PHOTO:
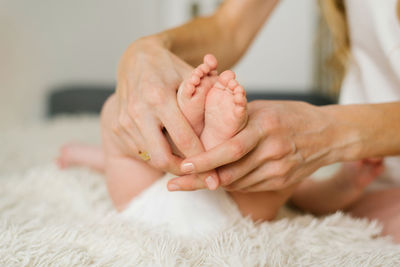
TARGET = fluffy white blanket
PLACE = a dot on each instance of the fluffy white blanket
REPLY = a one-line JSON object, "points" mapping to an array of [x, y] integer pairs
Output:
{"points": [[50, 217]]}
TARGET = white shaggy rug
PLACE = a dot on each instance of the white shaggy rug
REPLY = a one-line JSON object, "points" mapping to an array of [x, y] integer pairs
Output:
{"points": [[50, 217]]}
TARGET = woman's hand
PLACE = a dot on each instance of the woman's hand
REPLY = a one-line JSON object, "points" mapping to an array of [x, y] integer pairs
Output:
{"points": [[148, 78], [283, 143]]}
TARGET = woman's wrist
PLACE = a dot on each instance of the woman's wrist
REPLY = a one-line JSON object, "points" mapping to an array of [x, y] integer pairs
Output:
{"points": [[347, 134]]}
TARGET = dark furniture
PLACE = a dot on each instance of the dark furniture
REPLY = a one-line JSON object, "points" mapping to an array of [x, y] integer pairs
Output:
{"points": [[77, 99]]}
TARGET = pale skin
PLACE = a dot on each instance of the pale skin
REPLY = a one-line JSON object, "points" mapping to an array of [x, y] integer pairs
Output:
{"points": [[215, 107], [284, 141]]}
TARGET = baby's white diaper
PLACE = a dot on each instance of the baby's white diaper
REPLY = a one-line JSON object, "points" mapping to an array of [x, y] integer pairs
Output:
{"points": [[190, 214]]}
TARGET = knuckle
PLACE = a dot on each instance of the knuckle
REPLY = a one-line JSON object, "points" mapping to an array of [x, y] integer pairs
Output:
{"points": [[185, 141], [155, 95], [282, 183], [133, 110], [228, 188], [237, 149], [116, 129], [270, 122], [279, 148], [226, 177], [278, 184], [124, 121], [114, 126], [280, 170], [160, 162]]}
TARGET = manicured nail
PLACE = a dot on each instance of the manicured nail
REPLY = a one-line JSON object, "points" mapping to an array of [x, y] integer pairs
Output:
{"points": [[173, 187], [187, 167], [211, 184]]}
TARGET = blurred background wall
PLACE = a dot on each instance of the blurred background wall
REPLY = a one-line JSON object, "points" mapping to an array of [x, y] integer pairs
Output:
{"points": [[45, 44]]}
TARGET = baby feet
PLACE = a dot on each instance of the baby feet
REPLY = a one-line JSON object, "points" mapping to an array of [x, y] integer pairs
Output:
{"points": [[225, 110], [81, 155], [215, 106], [193, 92]]}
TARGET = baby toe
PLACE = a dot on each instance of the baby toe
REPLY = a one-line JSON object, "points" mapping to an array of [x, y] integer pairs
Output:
{"points": [[239, 90], [211, 61], [232, 84], [226, 77], [205, 68], [195, 80], [198, 72], [239, 96], [240, 100]]}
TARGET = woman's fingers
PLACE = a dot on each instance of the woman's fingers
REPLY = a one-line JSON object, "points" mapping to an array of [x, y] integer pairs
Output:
{"points": [[273, 184], [157, 146], [192, 182], [267, 171], [225, 153], [180, 131], [148, 76], [188, 143], [143, 125], [186, 183], [132, 137], [121, 128], [156, 143], [267, 153], [232, 172]]}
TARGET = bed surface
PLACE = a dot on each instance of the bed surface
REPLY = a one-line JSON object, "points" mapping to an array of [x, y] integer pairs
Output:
{"points": [[50, 217]]}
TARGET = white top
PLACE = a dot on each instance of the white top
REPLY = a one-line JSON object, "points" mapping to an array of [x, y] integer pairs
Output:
{"points": [[374, 73]]}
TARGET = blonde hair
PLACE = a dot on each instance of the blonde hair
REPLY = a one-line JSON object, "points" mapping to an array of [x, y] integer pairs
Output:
{"points": [[334, 13], [398, 9]]}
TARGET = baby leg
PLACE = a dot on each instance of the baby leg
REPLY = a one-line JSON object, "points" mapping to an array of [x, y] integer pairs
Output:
{"points": [[262, 206], [126, 178], [338, 192]]}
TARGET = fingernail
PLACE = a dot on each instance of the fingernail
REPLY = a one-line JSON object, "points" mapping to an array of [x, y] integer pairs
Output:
{"points": [[187, 167], [211, 184], [173, 187]]}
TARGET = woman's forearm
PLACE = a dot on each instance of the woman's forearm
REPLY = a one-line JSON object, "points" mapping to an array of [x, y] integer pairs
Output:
{"points": [[365, 130], [227, 33]]}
